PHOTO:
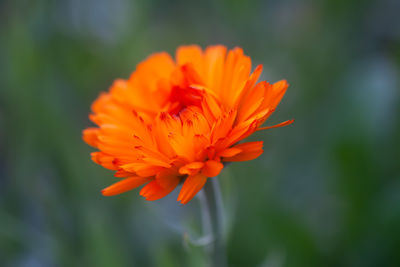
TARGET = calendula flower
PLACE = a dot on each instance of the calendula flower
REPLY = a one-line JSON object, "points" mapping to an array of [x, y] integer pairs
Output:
{"points": [[178, 120]]}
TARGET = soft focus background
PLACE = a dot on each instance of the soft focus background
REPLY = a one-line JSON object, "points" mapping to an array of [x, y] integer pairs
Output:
{"points": [[325, 193]]}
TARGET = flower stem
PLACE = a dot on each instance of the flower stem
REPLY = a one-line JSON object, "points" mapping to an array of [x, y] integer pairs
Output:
{"points": [[215, 212]]}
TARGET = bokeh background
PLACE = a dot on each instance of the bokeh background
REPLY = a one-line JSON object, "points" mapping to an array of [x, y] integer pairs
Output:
{"points": [[325, 193]]}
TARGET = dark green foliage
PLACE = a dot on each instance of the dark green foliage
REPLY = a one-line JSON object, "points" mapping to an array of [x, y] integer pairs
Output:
{"points": [[325, 193]]}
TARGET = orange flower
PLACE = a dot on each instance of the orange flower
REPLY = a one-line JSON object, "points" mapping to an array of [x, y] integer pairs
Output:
{"points": [[179, 120]]}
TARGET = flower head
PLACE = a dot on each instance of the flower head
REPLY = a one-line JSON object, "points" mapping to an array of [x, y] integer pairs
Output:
{"points": [[179, 120]]}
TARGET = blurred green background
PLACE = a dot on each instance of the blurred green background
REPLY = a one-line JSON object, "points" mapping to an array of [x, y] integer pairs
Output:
{"points": [[326, 192]]}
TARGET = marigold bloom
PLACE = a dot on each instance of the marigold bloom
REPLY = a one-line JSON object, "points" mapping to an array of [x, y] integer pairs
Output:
{"points": [[179, 120]]}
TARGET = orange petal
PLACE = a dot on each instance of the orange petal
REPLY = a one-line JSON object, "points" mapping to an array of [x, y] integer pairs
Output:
{"points": [[153, 190], [240, 132], [214, 62], [250, 150], [148, 170], [90, 136], [279, 88], [274, 93], [251, 102], [191, 168], [191, 75], [168, 178], [251, 81], [156, 162], [237, 69], [124, 185], [121, 173], [223, 125], [229, 152], [191, 186], [107, 161], [142, 169], [200, 142], [182, 145], [191, 54], [212, 168], [211, 108], [277, 125]]}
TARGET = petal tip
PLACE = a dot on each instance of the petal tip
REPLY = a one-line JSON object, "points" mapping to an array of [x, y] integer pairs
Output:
{"points": [[105, 192]]}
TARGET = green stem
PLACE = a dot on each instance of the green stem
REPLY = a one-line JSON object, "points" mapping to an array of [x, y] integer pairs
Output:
{"points": [[214, 204]]}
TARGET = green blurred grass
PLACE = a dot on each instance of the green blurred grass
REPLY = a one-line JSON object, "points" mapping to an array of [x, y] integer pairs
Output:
{"points": [[325, 193]]}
